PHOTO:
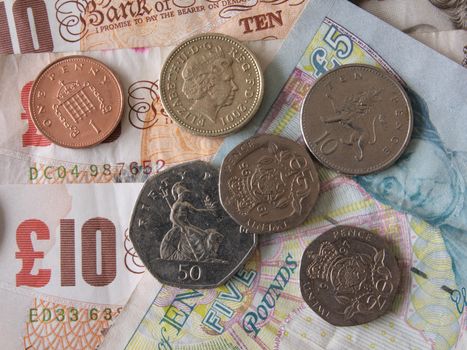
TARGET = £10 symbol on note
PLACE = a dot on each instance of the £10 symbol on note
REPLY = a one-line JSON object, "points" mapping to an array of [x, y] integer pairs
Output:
{"points": [[36, 12], [90, 231]]}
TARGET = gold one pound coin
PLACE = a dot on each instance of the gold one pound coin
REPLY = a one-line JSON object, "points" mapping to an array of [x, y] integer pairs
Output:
{"points": [[211, 85]]}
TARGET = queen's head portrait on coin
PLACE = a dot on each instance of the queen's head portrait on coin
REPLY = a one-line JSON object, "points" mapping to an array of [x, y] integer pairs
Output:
{"points": [[211, 85], [208, 81]]}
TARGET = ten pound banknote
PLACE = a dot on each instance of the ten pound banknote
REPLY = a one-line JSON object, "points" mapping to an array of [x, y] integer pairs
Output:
{"points": [[68, 266], [146, 142], [48, 318], [57, 292], [81, 25], [261, 307]]}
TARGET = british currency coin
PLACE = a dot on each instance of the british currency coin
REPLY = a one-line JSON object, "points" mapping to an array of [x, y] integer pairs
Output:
{"points": [[268, 184], [76, 102], [181, 232], [211, 85], [348, 276], [357, 119]]}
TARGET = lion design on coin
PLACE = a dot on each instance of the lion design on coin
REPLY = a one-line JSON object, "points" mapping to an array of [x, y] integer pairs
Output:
{"points": [[208, 80], [354, 114]]}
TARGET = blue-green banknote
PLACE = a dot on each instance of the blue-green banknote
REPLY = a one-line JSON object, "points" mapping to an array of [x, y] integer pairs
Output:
{"points": [[417, 205], [429, 181]]}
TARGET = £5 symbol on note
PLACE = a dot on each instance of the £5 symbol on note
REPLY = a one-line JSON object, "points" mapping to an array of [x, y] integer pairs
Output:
{"points": [[428, 181]]}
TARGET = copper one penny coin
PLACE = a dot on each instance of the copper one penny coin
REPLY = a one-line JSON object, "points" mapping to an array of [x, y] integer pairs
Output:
{"points": [[348, 276], [76, 102], [357, 119], [211, 85], [268, 184]]}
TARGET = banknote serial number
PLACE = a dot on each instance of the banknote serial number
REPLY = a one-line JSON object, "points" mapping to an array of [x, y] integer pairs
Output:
{"points": [[75, 171], [71, 314]]}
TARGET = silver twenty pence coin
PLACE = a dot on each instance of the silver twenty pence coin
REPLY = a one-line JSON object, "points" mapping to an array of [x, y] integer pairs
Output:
{"points": [[181, 232]]}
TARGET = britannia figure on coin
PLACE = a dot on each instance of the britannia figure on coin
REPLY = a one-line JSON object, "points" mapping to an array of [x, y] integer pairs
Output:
{"points": [[186, 241], [208, 80]]}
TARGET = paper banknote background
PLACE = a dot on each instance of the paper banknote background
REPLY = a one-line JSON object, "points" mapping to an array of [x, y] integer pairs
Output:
{"points": [[436, 152], [156, 142], [28, 154], [269, 312], [81, 25], [23, 150], [67, 263], [27, 157], [262, 308]]}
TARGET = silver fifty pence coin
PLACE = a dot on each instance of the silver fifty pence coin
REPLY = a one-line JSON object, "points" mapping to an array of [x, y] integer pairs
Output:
{"points": [[181, 232]]}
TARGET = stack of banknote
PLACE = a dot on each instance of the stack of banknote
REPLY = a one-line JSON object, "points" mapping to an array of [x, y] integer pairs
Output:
{"points": [[63, 286]]}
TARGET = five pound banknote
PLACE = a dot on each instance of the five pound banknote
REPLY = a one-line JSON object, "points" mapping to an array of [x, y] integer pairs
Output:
{"points": [[262, 307]]}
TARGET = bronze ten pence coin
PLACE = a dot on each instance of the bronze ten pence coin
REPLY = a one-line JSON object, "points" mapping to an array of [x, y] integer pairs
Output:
{"points": [[268, 184], [181, 232], [211, 85], [348, 276], [76, 102], [357, 119]]}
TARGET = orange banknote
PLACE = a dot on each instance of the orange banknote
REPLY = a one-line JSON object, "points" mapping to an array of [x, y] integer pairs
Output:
{"points": [[68, 266], [81, 25], [146, 142]]}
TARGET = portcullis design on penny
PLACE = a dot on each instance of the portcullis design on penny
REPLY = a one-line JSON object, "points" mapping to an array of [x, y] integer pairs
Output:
{"points": [[181, 232], [357, 119], [348, 276], [211, 85], [76, 102], [268, 184]]}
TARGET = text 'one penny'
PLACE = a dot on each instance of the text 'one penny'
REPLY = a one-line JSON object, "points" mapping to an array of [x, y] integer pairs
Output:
{"points": [[76, 102]]}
